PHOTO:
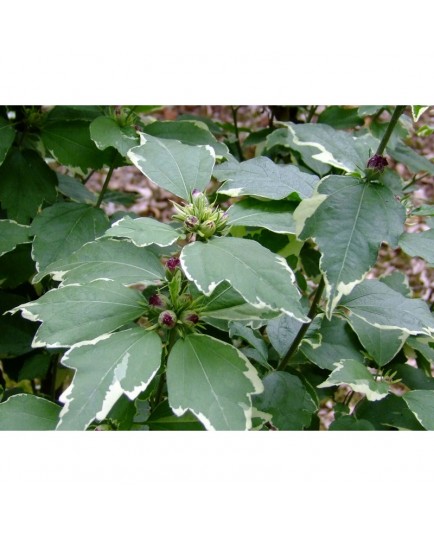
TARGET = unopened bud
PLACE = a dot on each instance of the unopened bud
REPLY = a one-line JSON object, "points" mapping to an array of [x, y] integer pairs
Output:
{"points": [[207, 229], [189, 318], [377, 162], [173, 263], [158, 301], [167, 319], [191, 223]]}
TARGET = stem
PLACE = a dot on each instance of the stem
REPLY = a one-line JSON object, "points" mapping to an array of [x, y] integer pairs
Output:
{"points": [[162, 380], [105, 185], [299, 337], [237, 133], [311, 114], [396, 115], [89, 176]]}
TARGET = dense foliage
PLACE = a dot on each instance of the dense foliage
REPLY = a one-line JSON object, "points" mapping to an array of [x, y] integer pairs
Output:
{"points": [[254, 308]]}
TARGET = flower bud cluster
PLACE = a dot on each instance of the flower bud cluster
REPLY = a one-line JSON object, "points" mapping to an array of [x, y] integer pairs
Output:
{"points": [[183, 313], [200, 217]]}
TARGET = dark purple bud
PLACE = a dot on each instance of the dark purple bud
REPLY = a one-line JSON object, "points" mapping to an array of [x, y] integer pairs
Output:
{"points": [[377, 162], [189, 318], [167, 319], [173, 263], [191, 222], [158, 301]]}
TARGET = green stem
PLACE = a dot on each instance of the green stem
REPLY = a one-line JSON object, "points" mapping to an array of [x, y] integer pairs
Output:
{"points": [[162, 380], [311, 113], [89, 176], [237, 133], [299, 337], [105, 185], [399, 110]]}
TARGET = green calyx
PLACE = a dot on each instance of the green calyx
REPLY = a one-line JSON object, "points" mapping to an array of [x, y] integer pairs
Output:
{"points": [[200, 217]]}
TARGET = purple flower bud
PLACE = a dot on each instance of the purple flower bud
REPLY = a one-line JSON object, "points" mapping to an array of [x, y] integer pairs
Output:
{"points": [[167, 319], [158, 301], [191, 223], [189, 318], [377, 162], [173, 263], [195, 193]]}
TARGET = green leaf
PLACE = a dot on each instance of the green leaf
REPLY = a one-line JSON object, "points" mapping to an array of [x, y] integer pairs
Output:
{"points": [[26, 182], [273, 215], [7, 136], [144, 231], [12, 234], [381, 344], [334, 147], [413, 378], [337, 342], [348, 423], [75, 113], [163, 419], [369, 110], [70, 144], [236, 329], [261, 177], [383, 307], [398, 282], [62, 229], [75, 190], [226, 303], [340, 117], [16, 333], [358, 377], [423, 210], [283, 137], [120, 363], [28, 413], [391, 412], [419, 245], [76, 313], [172, 165], [107, 259], [421, 404], [16, 266], [105, 132], [262, 278], [287, 400], [413, 160], [348, 219], [188, 132], [214, 381], [417, 111], [35, 366]]}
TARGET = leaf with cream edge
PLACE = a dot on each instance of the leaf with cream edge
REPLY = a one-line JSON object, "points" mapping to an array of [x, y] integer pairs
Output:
{"points": [[261, 177], [28, 413], [144, 231], [336, 148], [417, 111], [108, 259], [214, 381], [287, 400], [63, 228], [421, 404], [225, 303], [124, 362], [77, 313], [12, 234], [382, 307], [381, 344], [172, 165], [263, 278], [358, 377], [275, 216], [348, 219]]}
